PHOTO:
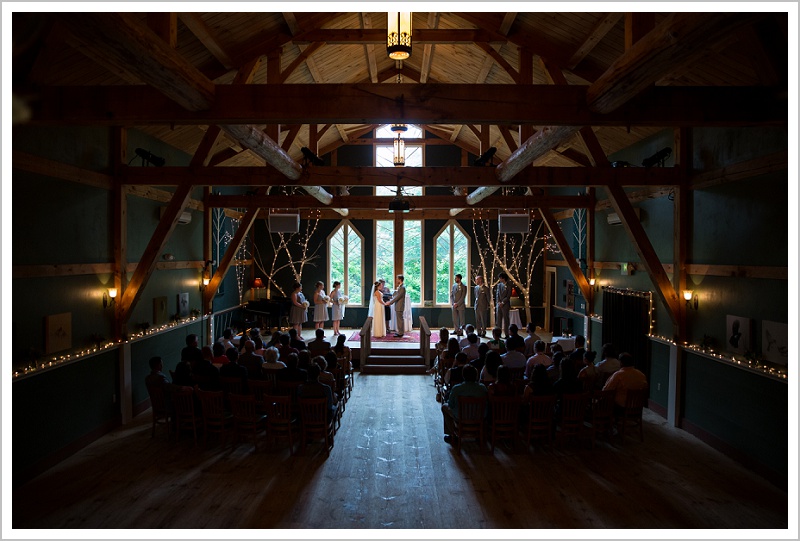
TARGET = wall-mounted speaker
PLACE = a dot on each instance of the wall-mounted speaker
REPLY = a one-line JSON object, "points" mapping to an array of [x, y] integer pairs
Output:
{"points": [[284, 223], [514, 223]]}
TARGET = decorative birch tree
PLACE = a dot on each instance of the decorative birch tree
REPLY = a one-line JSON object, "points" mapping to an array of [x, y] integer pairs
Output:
{"points": [[297, 250]]}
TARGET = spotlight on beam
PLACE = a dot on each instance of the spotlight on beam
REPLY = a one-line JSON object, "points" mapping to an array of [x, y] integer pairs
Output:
{"points": [[148, 157], [310, 157], [657, 158], [485, 158]]}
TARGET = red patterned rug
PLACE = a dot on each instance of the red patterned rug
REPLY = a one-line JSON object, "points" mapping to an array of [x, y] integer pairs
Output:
{"points": [[411, 337]]}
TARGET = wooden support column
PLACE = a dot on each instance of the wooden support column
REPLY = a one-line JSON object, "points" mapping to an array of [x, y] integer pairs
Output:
{"points": [[647, 254], [636, 26], [566, 251], [525, 78], [208, 223], [273, 131], [590, 230], [484, 137], [313, 137], [399, 240], [681, 225]]}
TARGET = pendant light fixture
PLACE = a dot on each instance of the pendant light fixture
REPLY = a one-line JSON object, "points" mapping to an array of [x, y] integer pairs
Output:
{"points": [[398, 39]]}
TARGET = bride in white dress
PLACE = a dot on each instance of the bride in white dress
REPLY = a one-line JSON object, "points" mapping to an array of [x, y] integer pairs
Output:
{"points": [[376, 303]]}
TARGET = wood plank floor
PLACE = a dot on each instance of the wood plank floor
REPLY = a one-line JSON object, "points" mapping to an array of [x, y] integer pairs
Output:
{"points": [[390, 469]]}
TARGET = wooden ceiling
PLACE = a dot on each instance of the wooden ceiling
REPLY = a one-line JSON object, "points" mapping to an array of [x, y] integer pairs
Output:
{"points": [[503, 57]]}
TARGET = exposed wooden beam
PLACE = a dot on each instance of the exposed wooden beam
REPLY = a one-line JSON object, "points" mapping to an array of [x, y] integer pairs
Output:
{"points": [[257, 141], [603, 27], [165, 25], [647, 254], [377, 36], [543, 141], [731, 271], [405, 176], [674, 43], [420, 104], [369, 49], [763, 165], [208, 38], [121, 41], [50, 168], [427, 50], [305, 53], [566, 251], [336, 144], [498, 58], [366, 202], [157, 242], [163, 196]]}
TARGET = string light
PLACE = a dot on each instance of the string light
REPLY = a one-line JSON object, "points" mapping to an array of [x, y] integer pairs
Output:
{"points": [[59, 360]]}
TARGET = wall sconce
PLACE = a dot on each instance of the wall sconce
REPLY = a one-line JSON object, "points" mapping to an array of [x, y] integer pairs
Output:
{"points": [[689, 296], [110, 294], [206, 275], [593, 283]]}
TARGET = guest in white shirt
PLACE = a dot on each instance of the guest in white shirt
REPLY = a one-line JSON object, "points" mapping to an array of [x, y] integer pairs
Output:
{"points": [[530, 340], [471, 349], [608, 365], [464, 342], [227, 339], [515, 356], [538, 357]]}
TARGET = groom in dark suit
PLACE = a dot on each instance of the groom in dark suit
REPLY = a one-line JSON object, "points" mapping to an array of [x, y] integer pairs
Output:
{"points": [[399, 301]]}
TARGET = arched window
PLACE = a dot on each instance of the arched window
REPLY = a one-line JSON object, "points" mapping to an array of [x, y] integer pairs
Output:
{"points": [[412, 255], [452, 257], [346, 261]]}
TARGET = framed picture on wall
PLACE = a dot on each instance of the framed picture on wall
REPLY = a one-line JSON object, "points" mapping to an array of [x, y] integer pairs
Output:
{"points": [[775, 342], [570, 294], [57, 332], [738, 334], [183, 305]]}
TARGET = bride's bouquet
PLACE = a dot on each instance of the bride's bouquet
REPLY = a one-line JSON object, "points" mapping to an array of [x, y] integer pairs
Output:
{"points": [[343, 299], [306, 304], [325, 298]]}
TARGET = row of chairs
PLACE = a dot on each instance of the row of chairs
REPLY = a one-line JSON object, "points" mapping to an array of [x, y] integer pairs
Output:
{"points": [[578, 416], [248, 409]]}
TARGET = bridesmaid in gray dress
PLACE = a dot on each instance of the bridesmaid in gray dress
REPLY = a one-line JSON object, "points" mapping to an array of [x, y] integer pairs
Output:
{"points": [[299, 312], [320, 306], [337, 312]]}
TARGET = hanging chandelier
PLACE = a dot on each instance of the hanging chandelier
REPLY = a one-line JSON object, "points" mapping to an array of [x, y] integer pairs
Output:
{"points": [[398, 39]]}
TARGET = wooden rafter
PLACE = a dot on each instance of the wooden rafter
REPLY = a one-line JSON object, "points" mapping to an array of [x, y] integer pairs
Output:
{"points": [[647, 254], [427, 50], [208, 38], [597, 33], [369, 50]]}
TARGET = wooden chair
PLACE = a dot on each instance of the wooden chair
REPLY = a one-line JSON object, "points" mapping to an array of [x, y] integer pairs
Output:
{"points": [[232, 386], [315, 423], [246, 419], [270, 376], [279, 418], [573, 416], [602, 415], [215, 418], [185, 416], [259, 388], [517, 373], [159, 406], [540, 418], [471, 419], [289, 388], [635, 401], [504, 418]]}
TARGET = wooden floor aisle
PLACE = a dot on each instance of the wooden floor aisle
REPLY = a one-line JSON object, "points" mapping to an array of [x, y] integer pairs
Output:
{"points": [[390, 469]]}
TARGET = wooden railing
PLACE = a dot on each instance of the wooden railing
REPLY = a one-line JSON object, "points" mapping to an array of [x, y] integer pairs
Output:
{"points": [[366, 343], [425, 340]]}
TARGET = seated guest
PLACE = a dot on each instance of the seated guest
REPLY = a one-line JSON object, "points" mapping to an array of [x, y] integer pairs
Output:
{"points": [[502, 386], [470, 387], [489, 372], [275, 340], [233, 369], [515, 356], [192, 351], [296, 340], [568, 382], [291, 372], [554, 370], [285, 348], [627, 378], [608, 363], [478, 363], [496, 343], [464, 342], [255, 336], [454, 375], [537, 358], [251, 361], [226, 340], [219, 353], [577, 355], [272, 360], [441, 345], [319, 346], [513, 332], [157, 378], [343, 355], [325, 376], [183, 374], [304, 359], [448, 358], [538, 384], [530, 340], [588, 374], [471, 349], [205, 374], [314, 388]]}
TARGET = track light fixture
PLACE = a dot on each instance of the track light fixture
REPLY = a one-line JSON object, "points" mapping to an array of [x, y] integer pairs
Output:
{"points": [[485, 158], [657, 158], [310, 157], [150, 158]]}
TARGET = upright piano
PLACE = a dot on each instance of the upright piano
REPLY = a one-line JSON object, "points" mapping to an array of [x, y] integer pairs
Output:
{"points": [[273, 312]]}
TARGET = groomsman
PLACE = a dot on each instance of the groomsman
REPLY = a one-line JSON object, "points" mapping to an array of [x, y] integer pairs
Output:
{"points": [[481, 296], [458, 296], [399, 301], [503, 303]]}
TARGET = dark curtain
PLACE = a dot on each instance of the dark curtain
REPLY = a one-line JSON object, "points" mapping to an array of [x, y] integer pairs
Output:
{"points": [[626, 324]]}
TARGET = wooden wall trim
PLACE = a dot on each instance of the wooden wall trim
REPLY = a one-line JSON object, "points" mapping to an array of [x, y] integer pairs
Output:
{"points": [[737, 271]]}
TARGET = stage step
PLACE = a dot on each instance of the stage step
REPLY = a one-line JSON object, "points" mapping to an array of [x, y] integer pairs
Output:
{"points": [[394, 364]]}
